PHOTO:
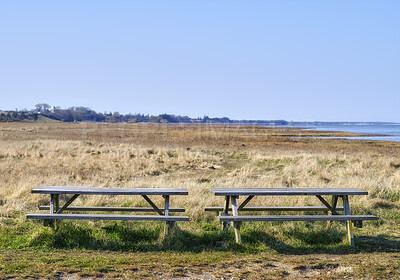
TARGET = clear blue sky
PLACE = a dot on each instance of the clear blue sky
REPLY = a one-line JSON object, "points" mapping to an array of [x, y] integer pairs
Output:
{"points": [[335, 60]]}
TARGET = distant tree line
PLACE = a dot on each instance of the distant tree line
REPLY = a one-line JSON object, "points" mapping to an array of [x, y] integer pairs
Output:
{"points": [[14, 116], [84, 114]]}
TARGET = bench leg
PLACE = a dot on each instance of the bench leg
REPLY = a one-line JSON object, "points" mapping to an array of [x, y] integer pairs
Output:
{"points": [[225, 212], [54, 205], [236, 225], [57, 207], [334, 204], [349, 224], [167, 225]]}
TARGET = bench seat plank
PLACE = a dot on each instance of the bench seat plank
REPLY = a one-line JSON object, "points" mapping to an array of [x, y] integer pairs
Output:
{"points": [[109, 191], [298, 218], [115, 209], [286, 191], [106, 217], [274, 208]]}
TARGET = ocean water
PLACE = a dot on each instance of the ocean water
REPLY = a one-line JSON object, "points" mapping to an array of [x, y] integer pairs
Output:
{"points": [[391, 131]]}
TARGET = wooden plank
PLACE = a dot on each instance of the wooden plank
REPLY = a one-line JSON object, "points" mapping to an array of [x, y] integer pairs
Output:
{"points": [[287, 191], [106, 217], [274, 208], [299, 218], [109, 191], [115, 209]]}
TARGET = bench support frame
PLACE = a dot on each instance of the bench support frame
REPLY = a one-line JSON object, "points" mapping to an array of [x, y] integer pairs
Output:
{"points": [[55, 210], [332, 208]]}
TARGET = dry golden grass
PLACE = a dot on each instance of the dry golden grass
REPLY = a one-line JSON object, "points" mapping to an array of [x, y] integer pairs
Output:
{"points": [[197, 158], [192, 157]]}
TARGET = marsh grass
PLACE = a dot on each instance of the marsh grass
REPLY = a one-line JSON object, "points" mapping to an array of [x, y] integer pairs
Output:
{"points": [[151, 156], [197, 158]]}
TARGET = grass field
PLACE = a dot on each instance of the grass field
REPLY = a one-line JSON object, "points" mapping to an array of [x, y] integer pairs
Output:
{"points": [[197, 158]]}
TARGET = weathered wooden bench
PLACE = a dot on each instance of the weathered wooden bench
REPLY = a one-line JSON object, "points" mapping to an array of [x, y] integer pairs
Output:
{"points": [[56, 212], [232, 194]]}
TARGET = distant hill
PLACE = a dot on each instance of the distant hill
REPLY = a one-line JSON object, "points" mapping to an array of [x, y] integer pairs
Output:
{"points": [[46, 113], [44, 119]]}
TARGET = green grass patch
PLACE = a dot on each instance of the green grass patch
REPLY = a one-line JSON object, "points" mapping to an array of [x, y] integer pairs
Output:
{"points": [[141, 236], [277, 162], [108, 249], [328, 162]]}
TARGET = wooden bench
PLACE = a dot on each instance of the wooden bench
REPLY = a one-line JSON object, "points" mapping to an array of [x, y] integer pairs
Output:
{"points": [[56, 212], [232, 195]]}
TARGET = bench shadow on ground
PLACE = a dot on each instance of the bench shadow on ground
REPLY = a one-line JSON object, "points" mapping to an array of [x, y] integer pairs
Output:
{"points": [[117, 237], [326, 242]]}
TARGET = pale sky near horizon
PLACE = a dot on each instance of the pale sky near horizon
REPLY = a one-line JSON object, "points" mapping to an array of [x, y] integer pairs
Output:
{"points": [[293, 60]]}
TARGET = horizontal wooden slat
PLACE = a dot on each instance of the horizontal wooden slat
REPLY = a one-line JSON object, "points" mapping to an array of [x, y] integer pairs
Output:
{"points": [[109, 191], [115, 209], [106, 217], [287, 191], [298, 218], [275, 208]]}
